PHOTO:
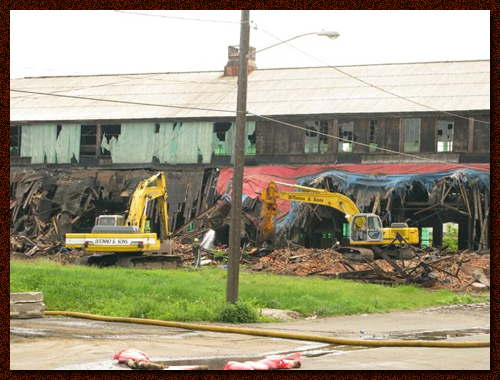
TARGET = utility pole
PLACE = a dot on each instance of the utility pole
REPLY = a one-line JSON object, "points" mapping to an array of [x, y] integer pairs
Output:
{"points": [[233, 263]]}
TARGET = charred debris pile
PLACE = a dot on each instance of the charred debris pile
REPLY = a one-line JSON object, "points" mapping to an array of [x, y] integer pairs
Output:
{"points": [[46, 204], [430, 268]]}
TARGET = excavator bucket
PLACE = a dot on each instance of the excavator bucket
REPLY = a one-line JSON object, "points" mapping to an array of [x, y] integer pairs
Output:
{"points": [[167, 247]]}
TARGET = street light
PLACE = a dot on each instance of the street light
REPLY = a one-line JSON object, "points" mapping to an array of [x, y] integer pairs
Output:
{"points": [[330, 34], [233, 261]]}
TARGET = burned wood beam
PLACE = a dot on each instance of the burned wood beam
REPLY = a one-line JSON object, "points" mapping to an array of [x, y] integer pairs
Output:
{"points": [[456, 209], [426, 209], [465, 198], [390, 261]]}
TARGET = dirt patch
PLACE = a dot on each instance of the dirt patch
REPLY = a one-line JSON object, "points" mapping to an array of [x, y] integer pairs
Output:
{"points": [[281, 315]]}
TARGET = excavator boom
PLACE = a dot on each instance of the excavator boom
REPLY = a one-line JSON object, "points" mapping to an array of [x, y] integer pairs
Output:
{"points": [[154, 187], [309, 195]]}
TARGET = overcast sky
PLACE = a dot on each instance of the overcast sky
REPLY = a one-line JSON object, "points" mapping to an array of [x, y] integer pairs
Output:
{"points": [[46, 43]]}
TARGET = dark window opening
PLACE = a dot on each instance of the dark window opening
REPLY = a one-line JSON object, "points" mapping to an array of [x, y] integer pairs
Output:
{"points": [[88, 140], [445, 136], [252, 149], [323, 138], [108, 132], [59, 128], [15, 141], [157, 128], [373, 130], [220, 130], [316, 137], [346, 136], [412, 135]]}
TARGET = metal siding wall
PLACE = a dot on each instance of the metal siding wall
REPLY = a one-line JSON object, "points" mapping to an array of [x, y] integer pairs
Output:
{"points": [[68, 143], [37, 142], [202, 133], [41, 143], [138, 143], [230, 134], [180, 145], [134, 145]]}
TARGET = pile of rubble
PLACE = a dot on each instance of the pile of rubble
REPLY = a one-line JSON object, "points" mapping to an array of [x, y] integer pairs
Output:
{"points": [[458, 271]]}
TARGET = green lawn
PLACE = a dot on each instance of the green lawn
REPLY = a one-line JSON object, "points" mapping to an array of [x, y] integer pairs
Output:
{"points": [[199, 295]]}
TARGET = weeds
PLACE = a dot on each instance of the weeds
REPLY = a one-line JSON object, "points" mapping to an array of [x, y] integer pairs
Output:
{"points": [[195, 296]]}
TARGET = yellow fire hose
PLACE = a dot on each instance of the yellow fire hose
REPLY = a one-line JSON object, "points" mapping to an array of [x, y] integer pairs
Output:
{"points": [[278, 334]]}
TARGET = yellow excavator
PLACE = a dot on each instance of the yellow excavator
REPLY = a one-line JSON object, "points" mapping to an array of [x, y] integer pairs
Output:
{"points": [[366, 231], [116, 240]]}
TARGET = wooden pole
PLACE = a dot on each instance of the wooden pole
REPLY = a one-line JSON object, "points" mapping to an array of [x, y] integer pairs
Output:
{"points": [[239, 163]]}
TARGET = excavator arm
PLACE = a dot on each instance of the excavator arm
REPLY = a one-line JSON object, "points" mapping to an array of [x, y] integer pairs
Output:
{"points": [[366, 229], [308, 195], [154, 187]]}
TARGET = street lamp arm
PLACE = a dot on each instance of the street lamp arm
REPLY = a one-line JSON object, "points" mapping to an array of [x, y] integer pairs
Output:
{"points": [[331, 35]]}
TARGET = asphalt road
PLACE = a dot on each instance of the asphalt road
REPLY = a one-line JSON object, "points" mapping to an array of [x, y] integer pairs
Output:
{"points": [[69, 343]]}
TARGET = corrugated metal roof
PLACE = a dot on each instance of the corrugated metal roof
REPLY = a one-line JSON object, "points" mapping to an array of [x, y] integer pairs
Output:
{"points": [[447, 86]]}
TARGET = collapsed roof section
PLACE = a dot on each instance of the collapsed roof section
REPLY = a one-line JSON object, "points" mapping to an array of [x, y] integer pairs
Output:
{"points": [[422, 195]]}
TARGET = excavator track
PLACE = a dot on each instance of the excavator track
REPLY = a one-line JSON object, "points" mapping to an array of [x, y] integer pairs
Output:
{"points": [[151, 262], [131, 261], [357, 254], [397, 253]]}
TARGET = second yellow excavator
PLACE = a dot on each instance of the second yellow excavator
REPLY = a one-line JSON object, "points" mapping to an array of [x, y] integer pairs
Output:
{"points": [[366, 229]]}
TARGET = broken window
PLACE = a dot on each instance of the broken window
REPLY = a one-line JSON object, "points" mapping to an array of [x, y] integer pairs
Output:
{"points": [[88, 140], [316, 137], [220, 134], [412, 135], [15, 141], [373, 131], [346, 134], [107, 133], [445, 136], [251, 146]]}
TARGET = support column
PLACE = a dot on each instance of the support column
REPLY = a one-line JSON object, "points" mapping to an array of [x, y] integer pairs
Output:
{"points": [[470, 148]]}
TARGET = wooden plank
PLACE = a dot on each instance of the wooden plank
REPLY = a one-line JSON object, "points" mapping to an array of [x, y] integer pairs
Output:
{"points": [[392, 263], [478, 198], [456, 209], [376, 204], [447, 192], [482, 242], [475, 200], [56, 229], [465, 198]]}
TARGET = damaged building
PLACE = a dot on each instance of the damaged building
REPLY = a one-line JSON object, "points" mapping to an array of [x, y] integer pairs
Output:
{"points": [[409, 141]]}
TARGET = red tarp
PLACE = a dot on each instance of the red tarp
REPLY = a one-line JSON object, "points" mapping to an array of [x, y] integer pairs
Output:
{"points": [[256, 178]]}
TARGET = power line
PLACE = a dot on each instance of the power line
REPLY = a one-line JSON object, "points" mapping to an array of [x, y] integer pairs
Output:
{"points": [[367, 145], [370, 84], [179, 18]]}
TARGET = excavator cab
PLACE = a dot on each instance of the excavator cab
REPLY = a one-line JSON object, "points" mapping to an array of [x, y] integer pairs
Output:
{"points": [[366, 228]]}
